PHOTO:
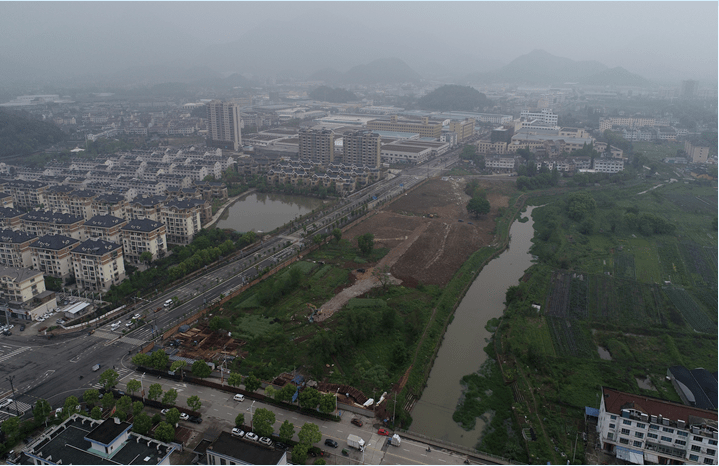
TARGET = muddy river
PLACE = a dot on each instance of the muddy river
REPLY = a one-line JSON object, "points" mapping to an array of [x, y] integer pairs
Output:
{"points": [[462, 352]]}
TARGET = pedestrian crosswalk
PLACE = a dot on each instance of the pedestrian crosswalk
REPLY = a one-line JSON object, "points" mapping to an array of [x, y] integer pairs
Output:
{"points": [[122, 372], [11, 410], [12, 354]]}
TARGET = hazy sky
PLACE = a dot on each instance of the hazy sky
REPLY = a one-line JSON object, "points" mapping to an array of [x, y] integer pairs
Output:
{"points": [[673, 40]]}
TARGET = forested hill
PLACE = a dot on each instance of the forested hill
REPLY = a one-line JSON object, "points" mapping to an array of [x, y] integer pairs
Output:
{"points": [[331, 94], [453, 97], [21, 133]]}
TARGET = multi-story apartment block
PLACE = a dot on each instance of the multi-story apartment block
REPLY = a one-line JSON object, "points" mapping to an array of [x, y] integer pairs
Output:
{"points": [[105, 227], [109, 204], [15, 248], [212, 189], [51, 255], [464, 128], [25, 292], [6, 200], [26, 194], [426, 128], [317, 145], [182, 220], [362, 148], [98, 264], [145, 207], [11, 218], [54, 223], [606, 165], [224, 123], [500, 163], [546, 116], [697, 154], [639, 429], [489, 147], [81, 203], [143, 235], [57, 198], [607, 123]]}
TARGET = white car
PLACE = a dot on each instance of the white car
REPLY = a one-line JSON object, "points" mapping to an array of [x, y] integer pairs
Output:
{"points": [[136, 316], [237, 432], [164, 411], [184, 416], [10, 326], [252, 436], [129, 324], [239, 397], [265, 441]]}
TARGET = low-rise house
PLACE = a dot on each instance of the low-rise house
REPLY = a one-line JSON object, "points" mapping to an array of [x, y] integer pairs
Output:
{"points": [[98, 264]]}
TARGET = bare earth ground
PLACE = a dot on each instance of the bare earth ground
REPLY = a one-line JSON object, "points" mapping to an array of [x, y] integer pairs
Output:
{"points": [[422, 249]]}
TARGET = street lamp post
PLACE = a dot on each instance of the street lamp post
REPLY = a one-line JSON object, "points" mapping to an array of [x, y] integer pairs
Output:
{"points": [[11, 378], [336, 405], [142, 388], [251, 415]]}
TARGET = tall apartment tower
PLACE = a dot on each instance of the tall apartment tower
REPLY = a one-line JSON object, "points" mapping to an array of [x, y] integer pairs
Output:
{"points": [[362, 148], [223, 123], [317, 145]]}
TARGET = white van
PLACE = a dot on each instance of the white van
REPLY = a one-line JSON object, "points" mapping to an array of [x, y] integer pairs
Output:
{"points": [[6, 402], [168, 302]]}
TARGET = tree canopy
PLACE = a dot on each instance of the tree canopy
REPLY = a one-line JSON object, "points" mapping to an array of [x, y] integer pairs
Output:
{"points": [[453, 97], [262, 422], [21, 133]]}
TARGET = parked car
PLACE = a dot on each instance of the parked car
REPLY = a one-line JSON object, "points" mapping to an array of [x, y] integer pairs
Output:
{"points": [[331, 443], [266, 441], [22, 327], [136, 316], [164, 411], [252, 436], [357, 422], [281, 446], [184, 417], [237, 432], [195, 419], [239, 397], [383, 431]]}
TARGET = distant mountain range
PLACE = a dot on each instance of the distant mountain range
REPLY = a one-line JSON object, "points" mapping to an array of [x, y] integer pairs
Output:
{"points": [[540, 67], [382, 71]]}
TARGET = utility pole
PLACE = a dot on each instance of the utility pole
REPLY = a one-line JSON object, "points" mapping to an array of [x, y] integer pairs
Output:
{"points": [[394, 408], [575, 446], [11, 378]]}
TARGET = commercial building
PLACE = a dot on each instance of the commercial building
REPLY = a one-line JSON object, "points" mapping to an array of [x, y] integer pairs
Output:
{"points": [[425, 127], [98, 265], [397, 153], [143, 235], [362, 148], [223, 124], [639, 429], [317, 145], [81, 440], [463, 128], [546, 116]]}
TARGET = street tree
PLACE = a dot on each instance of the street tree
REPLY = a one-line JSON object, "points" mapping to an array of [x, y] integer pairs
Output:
{"points": [[142, 424], [309, 398], [287, 431], [299, 453], [160, 360], [179, 365], [194, 403], [170, 397], [108, 400], [328, 402], [146, 257], [165, 432], [137, 408], [173, 416], [262, 422], [133, 386], [96, 413], [271, 392], [240, 420], [124, 404], [41, 410], [234, 380], [109, 379], [286, 392], [200, 369], [11, 426], [155, 391], [142, 360], [252, 383], [91, 397], [309, 433]]}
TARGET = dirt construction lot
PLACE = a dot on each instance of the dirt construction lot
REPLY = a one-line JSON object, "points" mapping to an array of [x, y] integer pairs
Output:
{"points": [[428, 249]]}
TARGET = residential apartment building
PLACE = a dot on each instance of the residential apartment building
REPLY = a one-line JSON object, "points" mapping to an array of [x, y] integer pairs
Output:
{"points": [[639, 429], [24, 290], [41, 223], [145, 207], [505, 164], [426, 128], [362, 148], [224, 123], [98, 264], [317, 145], [607, 165], [26, 194], [15, 248], [105, 227], [51, 255], [11, 218], [182, 221], [109, 204], [463, 128], [142, 235], [607, 123], [489, 147], [697, 154]]}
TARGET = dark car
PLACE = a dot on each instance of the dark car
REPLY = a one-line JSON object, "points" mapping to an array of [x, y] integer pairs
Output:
{"points": [[195, 419], [357, 422], [331, 443], [22, 327], [281, 446]]}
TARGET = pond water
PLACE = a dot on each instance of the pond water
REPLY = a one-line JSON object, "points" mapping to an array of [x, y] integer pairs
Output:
{"points": [[263, 212], [462, 350]]}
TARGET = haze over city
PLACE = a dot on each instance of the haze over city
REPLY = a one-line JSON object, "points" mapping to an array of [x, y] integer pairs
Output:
{"points": [[96, 41]]}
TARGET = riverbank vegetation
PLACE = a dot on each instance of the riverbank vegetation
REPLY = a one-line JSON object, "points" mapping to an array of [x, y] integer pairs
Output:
{"points": [[624, 287]]}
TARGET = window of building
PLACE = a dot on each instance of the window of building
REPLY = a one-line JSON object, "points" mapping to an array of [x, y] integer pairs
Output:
{"points": [[625, 431], [626, 422], [654, 436], [711, 452], [681, 433], [612, 426], [680, 442], [641, 426], [613, 417], [694, 457], [638, 435], [653, 427], [624, 441], [712, 442], [638, 444], [696, 448], [666, 439], [698, 439], [668, 430]]}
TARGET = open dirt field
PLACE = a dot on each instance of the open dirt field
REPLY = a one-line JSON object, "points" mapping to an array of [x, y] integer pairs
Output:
{"points": [[430, 250]]}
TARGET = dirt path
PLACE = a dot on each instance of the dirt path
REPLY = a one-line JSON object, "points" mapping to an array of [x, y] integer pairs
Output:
{"points": [[367, 281]]}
